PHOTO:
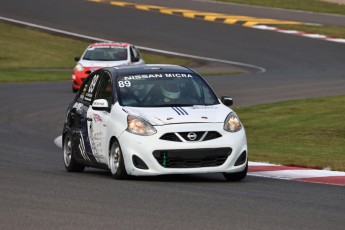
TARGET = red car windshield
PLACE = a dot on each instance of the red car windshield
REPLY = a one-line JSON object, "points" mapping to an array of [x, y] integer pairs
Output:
{"points": [[109, 53]]}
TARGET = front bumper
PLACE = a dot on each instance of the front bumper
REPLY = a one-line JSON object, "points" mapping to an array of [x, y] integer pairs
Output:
{"points": [[172, 157], [78, 78]]}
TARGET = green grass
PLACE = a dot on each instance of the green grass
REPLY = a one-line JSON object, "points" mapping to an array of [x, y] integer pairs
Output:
{"points": [[305, 5], [29, 55], [32, 75], [309, 133]]}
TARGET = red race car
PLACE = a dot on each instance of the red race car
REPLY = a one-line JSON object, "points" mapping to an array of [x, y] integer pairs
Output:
{"points": [[99, 55]]}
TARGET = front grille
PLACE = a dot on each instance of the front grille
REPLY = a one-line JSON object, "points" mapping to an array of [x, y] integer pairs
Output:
{"points": [[192, 158], [170, 137], [212, 135], [190, 136]]}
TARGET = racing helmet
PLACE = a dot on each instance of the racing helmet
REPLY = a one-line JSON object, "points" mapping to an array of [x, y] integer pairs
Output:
{"points": [[171, 90]]}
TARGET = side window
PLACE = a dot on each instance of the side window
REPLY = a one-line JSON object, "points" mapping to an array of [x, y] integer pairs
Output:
{"points": [[204, 93], [135, 56], [105, 89], [87, 91]]}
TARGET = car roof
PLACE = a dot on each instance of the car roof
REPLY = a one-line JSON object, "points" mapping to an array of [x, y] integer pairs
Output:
{"points": [[149, 68], [120, 44]]}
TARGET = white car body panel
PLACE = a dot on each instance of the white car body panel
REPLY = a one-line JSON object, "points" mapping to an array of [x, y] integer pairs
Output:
{"points": [[114, 124], [175, 115]]}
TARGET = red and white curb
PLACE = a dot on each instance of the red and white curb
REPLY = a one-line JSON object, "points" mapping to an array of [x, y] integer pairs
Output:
{"points": [[300, 33], [296, 173], [284, 172]]}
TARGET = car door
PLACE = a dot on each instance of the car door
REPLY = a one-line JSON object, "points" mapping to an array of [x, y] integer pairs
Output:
{"points": [[98, 120], [80, 123]]}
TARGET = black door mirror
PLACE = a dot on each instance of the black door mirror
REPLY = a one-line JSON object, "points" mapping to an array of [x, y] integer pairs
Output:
{"points": [[76, 58], [135, 59], [226, 100]]}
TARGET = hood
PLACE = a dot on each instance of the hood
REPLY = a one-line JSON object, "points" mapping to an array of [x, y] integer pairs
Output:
{"points": [[176, 115], [101, 64]]}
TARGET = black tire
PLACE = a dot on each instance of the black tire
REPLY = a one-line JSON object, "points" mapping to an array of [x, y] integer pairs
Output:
{"points": [[116, 162], [236, 176], [70, 163]]}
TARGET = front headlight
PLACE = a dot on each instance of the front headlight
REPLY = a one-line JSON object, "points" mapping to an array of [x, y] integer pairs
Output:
{"points": [[139, 126], [232, 123], [79, 68]]}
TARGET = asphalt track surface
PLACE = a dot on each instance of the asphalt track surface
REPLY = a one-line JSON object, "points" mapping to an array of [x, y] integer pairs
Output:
{"points": [[37, 193]]}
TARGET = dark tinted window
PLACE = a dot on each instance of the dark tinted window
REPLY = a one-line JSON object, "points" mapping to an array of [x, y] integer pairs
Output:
{"points": [[106, 53], [105, 90], [164, 89]]}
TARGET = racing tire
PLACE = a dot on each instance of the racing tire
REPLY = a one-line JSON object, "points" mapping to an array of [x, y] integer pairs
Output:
{"points": [[236, 176], [69, 160], [116, 162]]}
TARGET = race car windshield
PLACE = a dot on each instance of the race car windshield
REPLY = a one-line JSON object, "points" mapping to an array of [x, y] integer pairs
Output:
{"points": [[106, 54], [164, 89]]}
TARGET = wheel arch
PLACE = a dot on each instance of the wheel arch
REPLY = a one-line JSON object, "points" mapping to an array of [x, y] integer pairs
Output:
{"points": [[112, 139]]}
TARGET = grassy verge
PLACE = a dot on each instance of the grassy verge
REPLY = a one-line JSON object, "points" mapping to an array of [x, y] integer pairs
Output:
{"points": [[305, 5], [29, 55], [308, 133]]}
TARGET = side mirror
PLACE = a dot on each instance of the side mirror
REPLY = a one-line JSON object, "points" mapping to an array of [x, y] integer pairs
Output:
{"points": [[226, 100], [76, 58], [101, 105], [135, 59]]}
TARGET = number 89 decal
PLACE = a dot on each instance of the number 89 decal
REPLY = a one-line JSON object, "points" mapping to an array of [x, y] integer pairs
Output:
{"points": [[124, 84]]}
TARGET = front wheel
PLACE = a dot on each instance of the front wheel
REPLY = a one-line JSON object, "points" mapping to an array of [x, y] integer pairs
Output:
{"points": [[236, 176], [116, 162], [71, 164]]}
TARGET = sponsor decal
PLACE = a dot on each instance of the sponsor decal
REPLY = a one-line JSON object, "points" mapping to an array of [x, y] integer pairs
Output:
{"points": [[124, 84], [97, 118], [110, 46], [204, 107], [96, 103], [167, 75], [180, 110], [82, 147], [93, 84], [77, 105]]}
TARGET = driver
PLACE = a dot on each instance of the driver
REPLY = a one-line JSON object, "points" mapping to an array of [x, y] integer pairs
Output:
{"points": [[170, 91]]}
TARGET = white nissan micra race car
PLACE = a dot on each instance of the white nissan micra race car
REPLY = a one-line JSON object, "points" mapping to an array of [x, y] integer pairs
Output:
{"points": [[153, 120]]}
